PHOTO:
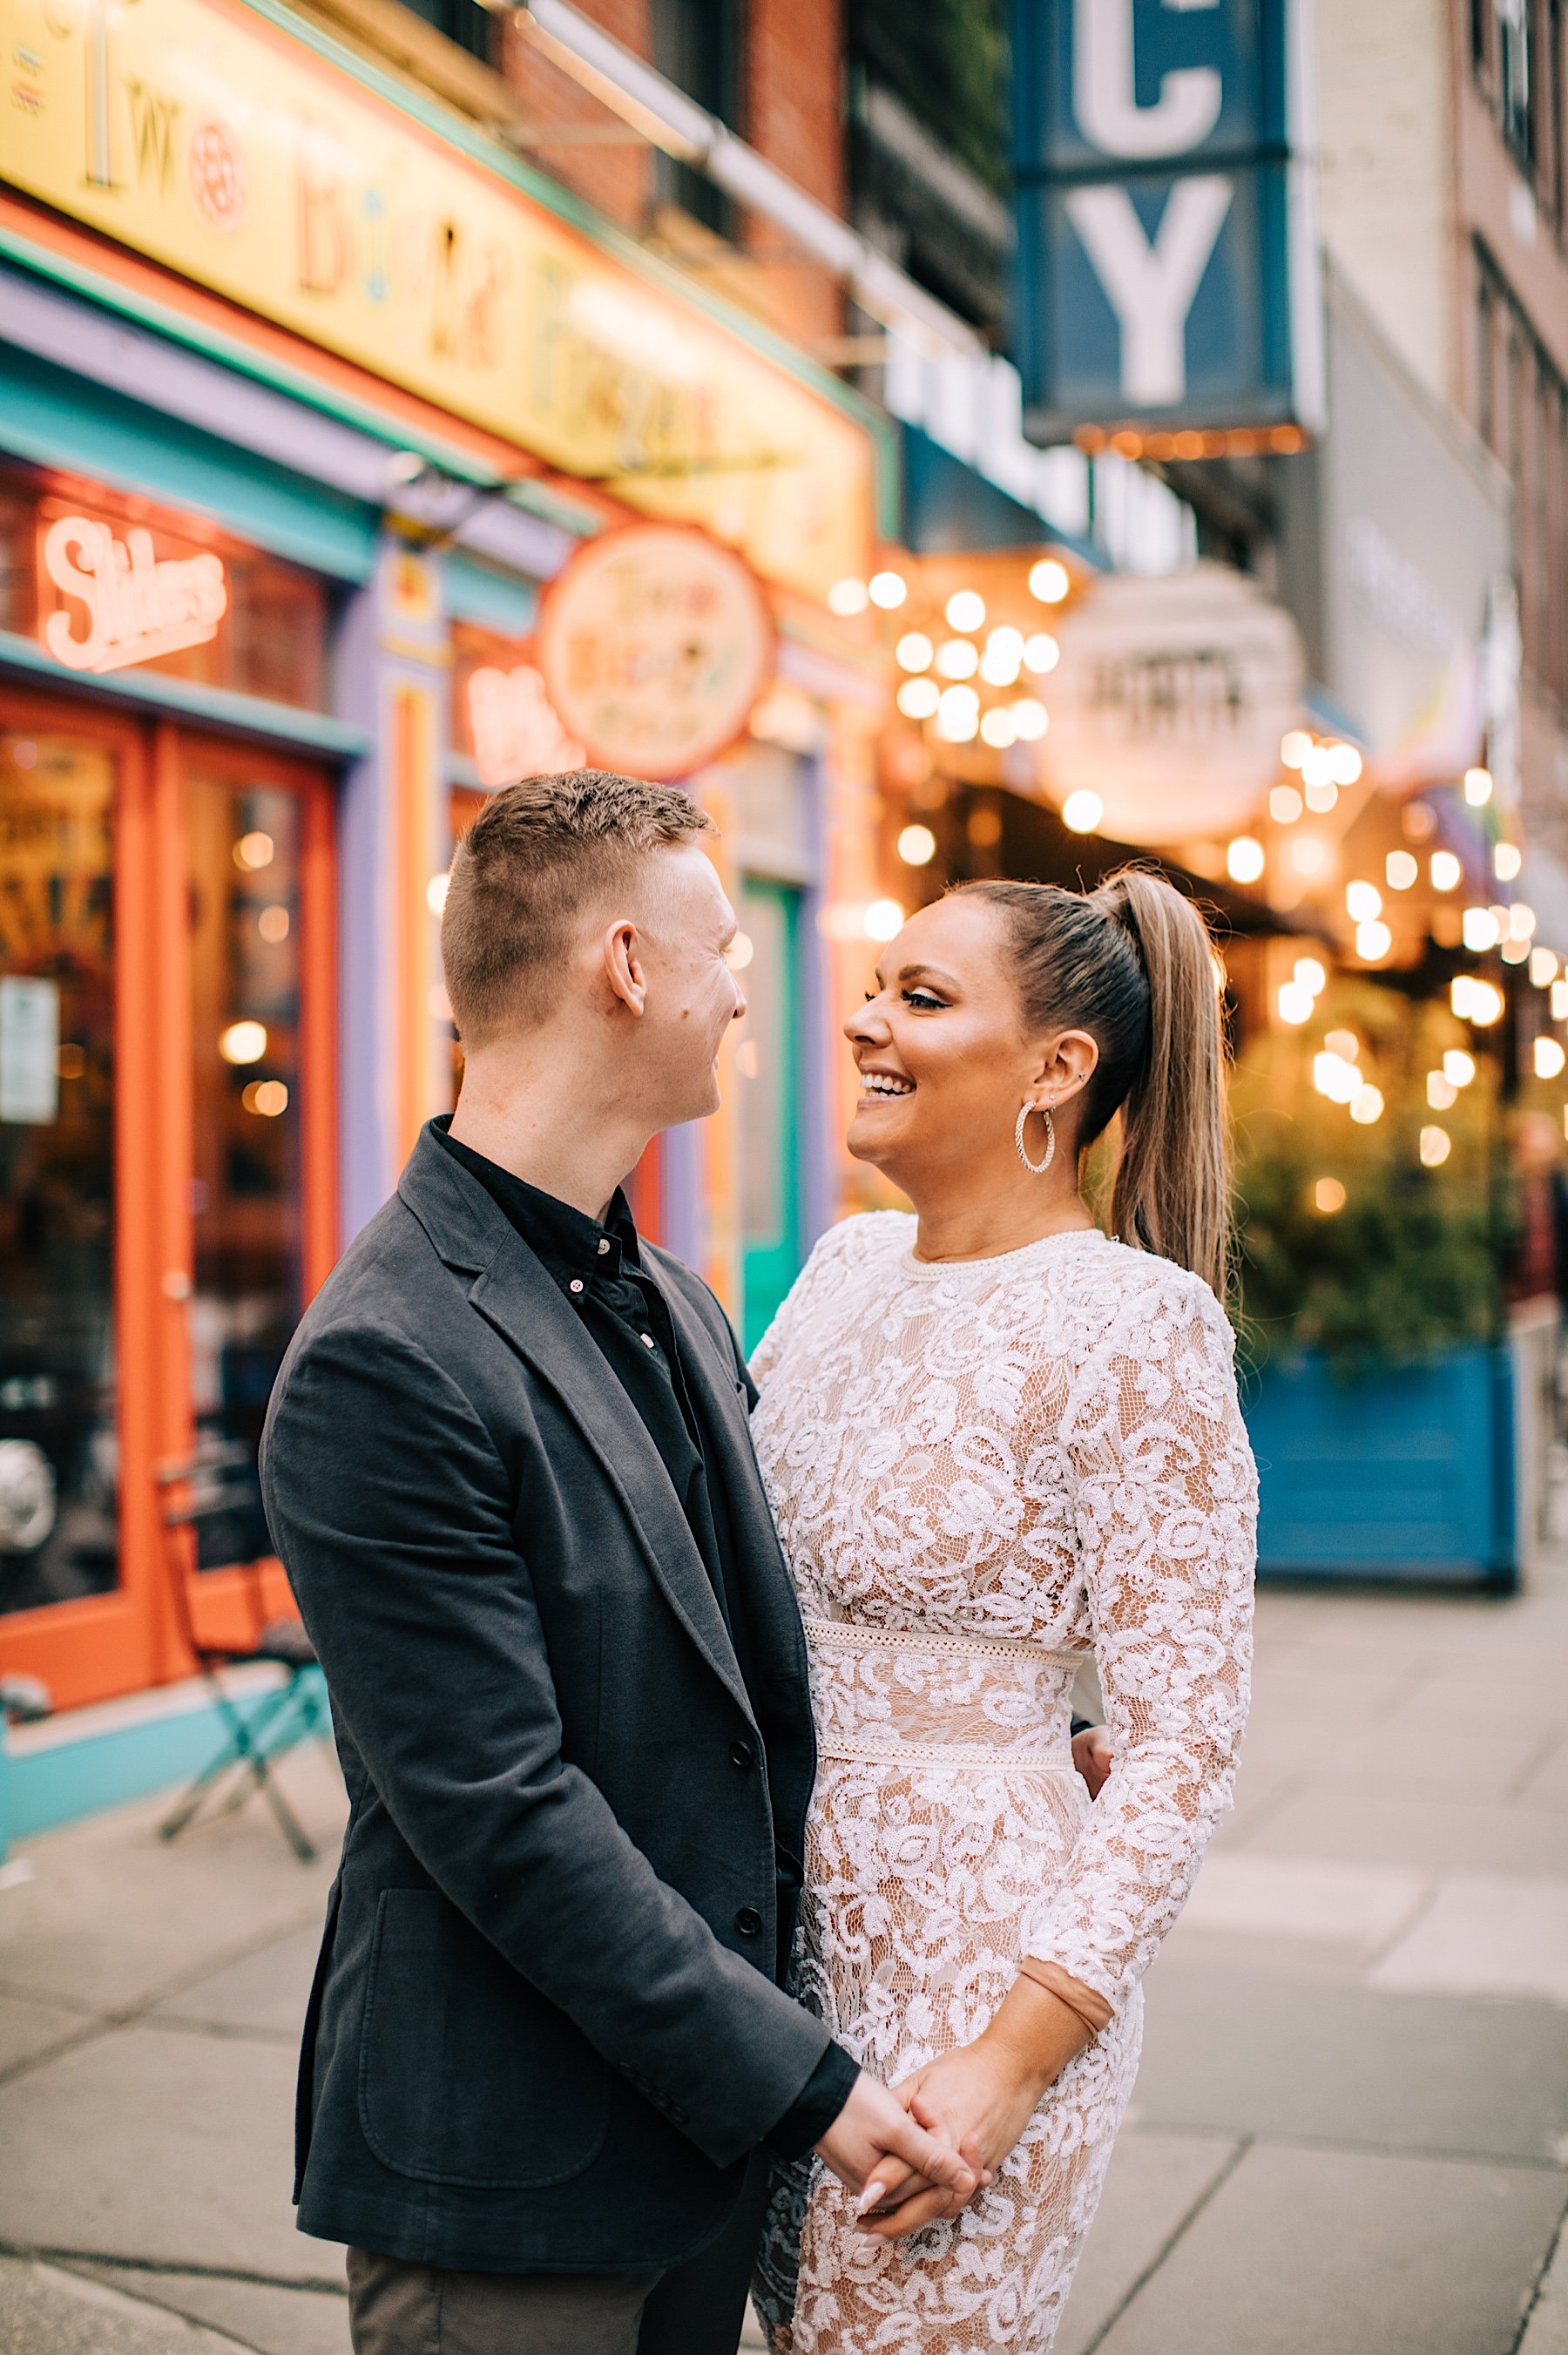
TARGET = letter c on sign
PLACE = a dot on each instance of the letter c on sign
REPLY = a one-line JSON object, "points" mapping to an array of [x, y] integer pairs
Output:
{"points": [[1104, 91]]}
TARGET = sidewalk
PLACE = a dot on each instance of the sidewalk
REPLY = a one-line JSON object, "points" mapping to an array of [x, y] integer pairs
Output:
{"points": [[1350, 2135]]}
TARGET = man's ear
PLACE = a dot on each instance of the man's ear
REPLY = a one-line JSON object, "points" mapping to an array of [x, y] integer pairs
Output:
{"points": [[624, 968]]}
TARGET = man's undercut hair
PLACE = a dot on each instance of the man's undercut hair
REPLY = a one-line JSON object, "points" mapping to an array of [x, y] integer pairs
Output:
{"points": [[536, 856]]}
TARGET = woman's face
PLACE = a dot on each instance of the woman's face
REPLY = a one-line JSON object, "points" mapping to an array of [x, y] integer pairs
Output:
{"points": [[944, 1058]]}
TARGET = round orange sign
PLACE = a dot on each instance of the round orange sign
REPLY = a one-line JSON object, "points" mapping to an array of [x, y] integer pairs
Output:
{"points": [[655, 643]]}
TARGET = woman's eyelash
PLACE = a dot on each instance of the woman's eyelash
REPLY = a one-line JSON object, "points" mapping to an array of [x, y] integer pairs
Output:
{"points": [[921, 997]]}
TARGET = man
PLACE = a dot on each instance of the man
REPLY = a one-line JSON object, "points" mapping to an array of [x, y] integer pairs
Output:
{"points": [[507, 1464]]}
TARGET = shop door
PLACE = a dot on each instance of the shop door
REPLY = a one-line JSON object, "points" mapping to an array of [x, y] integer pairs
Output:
{"points": [[767, 1061], [165, 1205]]}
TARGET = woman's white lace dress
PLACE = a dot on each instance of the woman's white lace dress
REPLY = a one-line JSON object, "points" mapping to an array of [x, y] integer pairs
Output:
{"points": [[983, 1473]]}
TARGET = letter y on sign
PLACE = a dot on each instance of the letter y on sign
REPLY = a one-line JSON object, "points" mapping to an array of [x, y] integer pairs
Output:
{"points": [[1149, 287]]}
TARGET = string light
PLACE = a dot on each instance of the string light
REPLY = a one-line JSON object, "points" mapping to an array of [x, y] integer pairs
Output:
{"points": [[965, 610], [913, 651], [848, 597], [1363, 901], [1549, 1058], [1048, 580], [1030, 720], [1401, 870], [1082, 811], [1440, 1090], [1309, 974], [917, 698], [917, 846], [956, 659], [1435, 1146], [1245, 860], [1507, 860], [1294, 745], [1284, 804], [1446, 871], [1478, 787], [1041, 653], [1327, 1195], [887, 589], [958, 715]]}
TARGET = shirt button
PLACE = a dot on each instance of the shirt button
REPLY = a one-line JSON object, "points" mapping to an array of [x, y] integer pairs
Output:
{"points": [[576, 1284], [647, 1339], [741, 1753], [749, 1922], [604, 1245]]}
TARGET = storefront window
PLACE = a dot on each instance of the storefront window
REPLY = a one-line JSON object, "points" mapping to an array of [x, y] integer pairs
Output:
{"points": [[58, 1469], [246, 1190]]}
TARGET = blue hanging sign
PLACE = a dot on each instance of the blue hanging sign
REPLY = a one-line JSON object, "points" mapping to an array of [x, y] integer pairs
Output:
{"points": [[1167, 262]]}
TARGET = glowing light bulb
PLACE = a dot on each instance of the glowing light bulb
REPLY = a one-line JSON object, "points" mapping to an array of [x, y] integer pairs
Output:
{"points": [[243, 1042], [847, 597], [1327, 1195], [1041, 653], [965, 610], [887, 589], [1478, 787], [1081, 811], [1245, 860], [1440, 1090], [1507, 860], [1048, 580], [1308, 973], [958, 715], [1542, 967], [1344, 763], [1367, 1105], [1446, 871], [998, 728], [1284, 804], [917, 846], [1459, 1069], [1294, 1002], [1549, 1058], [1294, 745], [883, 920], [917, 698], [1030, 720], [1401, 870], [1481, 930], [1435, 1146], [435, 892], [913, 651], [1363, 901], [956, 659], [1374, 941]]}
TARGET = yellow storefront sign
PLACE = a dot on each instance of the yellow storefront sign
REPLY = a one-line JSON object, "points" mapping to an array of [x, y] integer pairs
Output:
{"points": [[201, 134]]}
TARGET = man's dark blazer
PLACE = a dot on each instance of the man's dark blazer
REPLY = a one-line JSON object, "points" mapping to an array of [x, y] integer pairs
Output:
{"points": [[544, 2031]]}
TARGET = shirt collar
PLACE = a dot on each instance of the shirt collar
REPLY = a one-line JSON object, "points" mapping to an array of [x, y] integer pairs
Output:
{"points": [[566, 1240]]}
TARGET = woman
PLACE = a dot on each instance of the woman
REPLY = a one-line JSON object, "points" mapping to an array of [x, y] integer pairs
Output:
{"points": [[998, 1444]]}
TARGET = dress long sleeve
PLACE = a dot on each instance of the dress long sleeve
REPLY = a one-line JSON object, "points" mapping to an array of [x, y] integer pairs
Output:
{"points": [[1165, 1510]]}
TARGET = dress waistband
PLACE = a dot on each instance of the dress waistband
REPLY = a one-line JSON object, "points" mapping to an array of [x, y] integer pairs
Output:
{"points": [[908, 1696]]}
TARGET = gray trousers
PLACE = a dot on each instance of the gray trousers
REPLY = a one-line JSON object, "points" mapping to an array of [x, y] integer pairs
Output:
{"points": [[399, 2308]]}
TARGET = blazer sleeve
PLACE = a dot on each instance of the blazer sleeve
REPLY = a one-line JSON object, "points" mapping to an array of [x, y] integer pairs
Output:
{"points": [[390, 1507]]}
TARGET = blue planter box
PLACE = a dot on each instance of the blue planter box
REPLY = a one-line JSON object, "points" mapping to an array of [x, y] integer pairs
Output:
{"points": [[1403, 1475]]}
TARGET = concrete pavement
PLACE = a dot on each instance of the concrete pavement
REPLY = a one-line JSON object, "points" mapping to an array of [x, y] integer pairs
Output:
{"points": [[1350, 2138]]}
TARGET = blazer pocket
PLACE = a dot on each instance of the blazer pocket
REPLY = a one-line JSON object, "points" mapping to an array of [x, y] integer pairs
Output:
{"points": [[467, 2075]]}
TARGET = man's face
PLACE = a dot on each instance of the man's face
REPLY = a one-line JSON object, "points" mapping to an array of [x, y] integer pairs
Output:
{"points": [[686, 928]]}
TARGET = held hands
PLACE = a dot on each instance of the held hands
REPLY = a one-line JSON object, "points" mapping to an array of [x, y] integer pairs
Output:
{"points": [[921, 2153], [877, 2149], [980, 2097]]}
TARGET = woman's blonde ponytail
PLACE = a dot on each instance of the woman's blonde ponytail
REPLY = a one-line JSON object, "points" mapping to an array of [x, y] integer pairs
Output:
{"points": [[1172, 1188]]}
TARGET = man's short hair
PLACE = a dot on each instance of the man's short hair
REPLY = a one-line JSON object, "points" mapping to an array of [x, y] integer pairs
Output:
{"points": [[536, 856]]}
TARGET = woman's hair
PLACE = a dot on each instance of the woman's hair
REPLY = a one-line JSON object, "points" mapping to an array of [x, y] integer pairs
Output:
{"points": [[1133, 965]]}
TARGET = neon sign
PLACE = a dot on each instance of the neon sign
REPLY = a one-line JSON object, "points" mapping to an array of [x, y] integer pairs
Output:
{"points": [[139, 605]]}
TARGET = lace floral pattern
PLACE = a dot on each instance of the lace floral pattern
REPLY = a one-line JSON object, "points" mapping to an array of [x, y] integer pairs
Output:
{"points": [[984, 1472]]}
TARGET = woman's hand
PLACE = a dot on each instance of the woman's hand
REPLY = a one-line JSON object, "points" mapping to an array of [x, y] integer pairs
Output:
{"points": [[982, 2095], [1093, 1756]]}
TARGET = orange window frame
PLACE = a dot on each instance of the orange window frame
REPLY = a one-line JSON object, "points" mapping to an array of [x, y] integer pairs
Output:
{"points": [[101, 1646]]}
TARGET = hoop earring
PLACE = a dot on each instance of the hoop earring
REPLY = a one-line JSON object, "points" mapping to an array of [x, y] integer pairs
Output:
{"points": [[1036, 1168]]}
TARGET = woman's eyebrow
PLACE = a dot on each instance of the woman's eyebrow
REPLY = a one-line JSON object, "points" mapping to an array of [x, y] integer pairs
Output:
{"points": [[913, 973]]}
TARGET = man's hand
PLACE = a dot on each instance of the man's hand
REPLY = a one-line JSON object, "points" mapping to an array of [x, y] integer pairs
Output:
{"points": [[1093, 1756], [880, 2151]]}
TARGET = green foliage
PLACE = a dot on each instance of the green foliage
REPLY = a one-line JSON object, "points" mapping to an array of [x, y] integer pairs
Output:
{"points": [[1408, 1265], [947, 60]]}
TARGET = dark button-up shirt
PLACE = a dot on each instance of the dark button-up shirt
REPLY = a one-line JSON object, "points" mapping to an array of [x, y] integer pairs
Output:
{"points": [[598, 1268]]}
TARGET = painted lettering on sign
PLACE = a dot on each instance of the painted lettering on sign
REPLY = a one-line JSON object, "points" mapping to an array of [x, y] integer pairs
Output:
{"points": [[135, 605], [515, 729], [1166, 265]]}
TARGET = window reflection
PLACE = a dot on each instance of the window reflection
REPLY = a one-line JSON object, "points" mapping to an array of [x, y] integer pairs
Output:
{"points": [[58, 1462], [246, 1200]]}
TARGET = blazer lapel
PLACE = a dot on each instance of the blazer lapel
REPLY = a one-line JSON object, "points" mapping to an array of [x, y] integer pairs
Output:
{"points": [[516, 1295], [723, 1406]]}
